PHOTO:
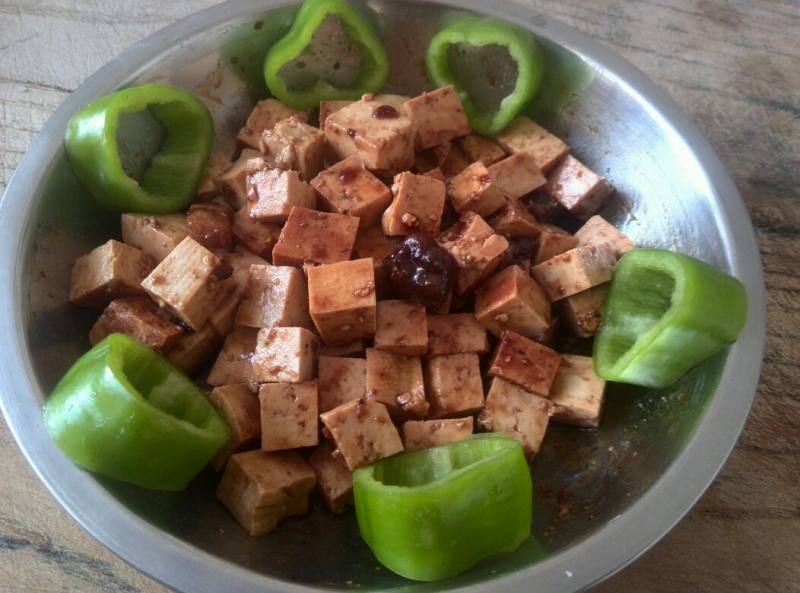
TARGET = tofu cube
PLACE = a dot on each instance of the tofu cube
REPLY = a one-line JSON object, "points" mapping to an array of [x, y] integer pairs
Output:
{"points": [[341, 380], [241, 410], [263, 117], [517, 175], [275, 296], [232, 183], [396, 381], [525, 135], [257, 237], [234, 363], [431, 158], [187, 282], [349, 188], [354, 348], [402, 327], [417, 206], [288, 415], [456, 334], [422, 434], [514, 220], [517, 413], [210, 224], [316, 237], [285, 355], [342, 301], [436, 174], [597, 230], [475, 190], [578, 188], [272, 193], [438, 115], [155, 235], [453, 384], [262, 489], [511, 299], [583, 312], [140, 318], [224, 316], [553, 241], [372, 243], [218, 163], [192, 351], [381, 134], [529, 364], [577, 392], [292, 144], [111, 271], [362, 432], [328, 107], [478, 251], [455, 162], [575, 270], [480, 148], [334, 480]]}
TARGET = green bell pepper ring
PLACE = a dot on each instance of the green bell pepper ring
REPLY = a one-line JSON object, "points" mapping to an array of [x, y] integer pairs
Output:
{"points": [[169, 177], [125, 412], [475, 33], [298, 49], [431, 514], [663, 314]]}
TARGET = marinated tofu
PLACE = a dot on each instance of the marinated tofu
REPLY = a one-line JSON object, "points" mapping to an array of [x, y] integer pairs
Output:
{"points": [[285, 355], [315, 237], [421, 434], [553, 241], [476, 148], [192, 351], [154, 235], [598, 230], [328, 107], [263, 117], [234, 363], [232, 183], [576, 187], [583, 312], [288, 415], [402, 327], [349, 188], [575, 270], [456, 334], [272, 193], [512, 300], [292, 144], [531, 365], [517, 175], [354, 348], [241, 410], [257, 237], [334, 480], [514, 220], [210, 224], [477, 249], [140, 318], [372, 243], [276, 296], [577, 393], [207, 190], [438, 116], [453, 384], [431, 159], [475, 190], [396, 381], [525, 135], [341, 380], [111, 271], [417, 206]]}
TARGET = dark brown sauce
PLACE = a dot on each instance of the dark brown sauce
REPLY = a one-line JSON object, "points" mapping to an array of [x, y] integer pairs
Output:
{"points": [[385, 112]]}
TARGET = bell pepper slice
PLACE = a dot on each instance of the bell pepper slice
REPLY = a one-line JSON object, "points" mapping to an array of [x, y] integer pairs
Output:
{"points": [[169, 177], [481, 73], [431, 514], [663, 314], [359, 62], [124, 412]]}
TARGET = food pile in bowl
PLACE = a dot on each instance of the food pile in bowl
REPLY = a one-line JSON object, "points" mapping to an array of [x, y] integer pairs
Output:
{"points": [[380, 292]]}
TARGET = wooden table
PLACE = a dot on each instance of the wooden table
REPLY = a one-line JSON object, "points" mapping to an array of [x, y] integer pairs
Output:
{"points": [[733, 66]]}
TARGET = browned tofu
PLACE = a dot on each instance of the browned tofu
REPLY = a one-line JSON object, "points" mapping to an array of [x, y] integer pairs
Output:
{"points": [[436, 174], [292, 144], [257, 237], [475, 190], [381, 134], [234, 363], [217, 164], [552, 242], [577, 393], [598, 230], [341, 380], [402, 327], [517, 413], [456, 334], [529, 364], [421, 434], [241, 410], [349, 188], [285, 355], [272, 193], [275, 296], [417, 206], [455, 162], [232, 183], [438, 115], [578, 188], [155, 235], [342, 301], [396, 381], [583, 312], [264, 116], [354, 348], [111, 271], [511, 299], [316, 237], [261, 489], [478, 251], [480, 148], [362, 432], [543, 207], [514, 220], [372, 243], [140, 318], [328, 107], [288, 415], [431, 158], [524, 135], [210, 224], [193, 350], [517, 175], [575, 270], [334, 480], [453, 384]]}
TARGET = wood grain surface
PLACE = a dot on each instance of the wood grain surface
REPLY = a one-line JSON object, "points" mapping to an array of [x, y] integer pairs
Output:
{"points": [[734, 67]]}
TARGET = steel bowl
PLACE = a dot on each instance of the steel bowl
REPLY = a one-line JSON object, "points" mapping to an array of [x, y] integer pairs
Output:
{"points": [[602, 497]]}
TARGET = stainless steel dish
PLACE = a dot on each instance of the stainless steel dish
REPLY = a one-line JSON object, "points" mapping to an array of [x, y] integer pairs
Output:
{"points": [[602, 497]]}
